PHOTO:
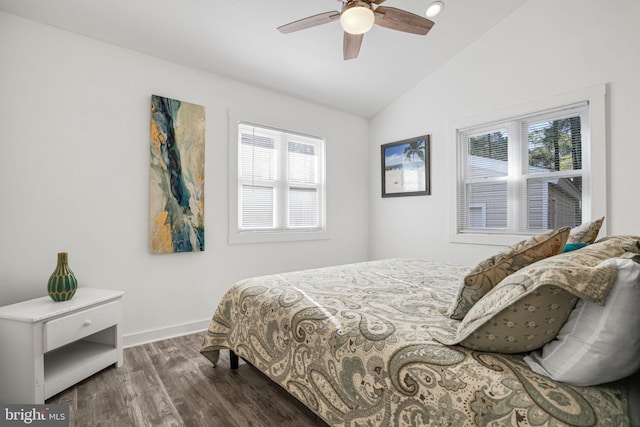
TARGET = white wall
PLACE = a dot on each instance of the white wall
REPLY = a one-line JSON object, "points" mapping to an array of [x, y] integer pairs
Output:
{"points": [[74, 168], [544, 49]]}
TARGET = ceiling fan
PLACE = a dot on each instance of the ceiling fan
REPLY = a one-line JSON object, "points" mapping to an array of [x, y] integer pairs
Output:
{"points": [[357, 17]]}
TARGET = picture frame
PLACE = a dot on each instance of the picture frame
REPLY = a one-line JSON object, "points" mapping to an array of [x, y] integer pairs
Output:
{"points": [[405, 167]]}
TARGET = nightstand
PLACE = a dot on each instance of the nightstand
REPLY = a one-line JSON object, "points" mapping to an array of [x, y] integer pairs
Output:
{"points": [[47, 346]]}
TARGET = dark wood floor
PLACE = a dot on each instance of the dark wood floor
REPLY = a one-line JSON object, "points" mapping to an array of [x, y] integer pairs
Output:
{"points": [[168, 383]]}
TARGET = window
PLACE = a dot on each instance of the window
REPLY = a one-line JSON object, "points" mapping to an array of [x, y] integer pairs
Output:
{"points": [[526, 174], [280, 184]]}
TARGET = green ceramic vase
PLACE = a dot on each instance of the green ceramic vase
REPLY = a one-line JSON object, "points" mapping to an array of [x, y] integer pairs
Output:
{"points": [[62, 283]]}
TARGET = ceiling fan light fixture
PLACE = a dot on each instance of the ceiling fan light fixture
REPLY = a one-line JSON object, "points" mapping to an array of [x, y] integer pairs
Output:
{"points": [[357, 17], [434, 9]]}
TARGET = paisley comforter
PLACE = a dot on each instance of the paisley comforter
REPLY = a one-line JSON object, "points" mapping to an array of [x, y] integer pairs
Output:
{"points": [[354, 344]]}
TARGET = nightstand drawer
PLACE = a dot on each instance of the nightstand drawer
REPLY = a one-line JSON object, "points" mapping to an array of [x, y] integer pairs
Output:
{"points": [[73, 327]]}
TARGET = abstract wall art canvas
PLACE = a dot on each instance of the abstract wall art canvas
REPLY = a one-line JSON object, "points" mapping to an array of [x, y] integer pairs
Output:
{"points": [[176, 187]]}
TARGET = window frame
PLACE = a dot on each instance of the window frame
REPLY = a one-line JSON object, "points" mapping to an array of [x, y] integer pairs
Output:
{"points": [[593, 160], [283, 234]]}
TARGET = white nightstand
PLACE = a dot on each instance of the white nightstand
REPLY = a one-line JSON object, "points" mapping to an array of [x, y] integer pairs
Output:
{"points": [[47, 346]]}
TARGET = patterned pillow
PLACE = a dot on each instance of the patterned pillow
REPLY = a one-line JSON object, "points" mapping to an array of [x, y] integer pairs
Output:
{"points": [[528, 308], [586, 233], [491, 271]]}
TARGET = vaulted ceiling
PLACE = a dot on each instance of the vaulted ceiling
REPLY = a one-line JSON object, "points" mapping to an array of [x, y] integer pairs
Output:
{"points": [[239, 40]]}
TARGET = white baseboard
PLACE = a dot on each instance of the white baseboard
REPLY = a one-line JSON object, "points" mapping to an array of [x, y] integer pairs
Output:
{"points": [[144, 337]]}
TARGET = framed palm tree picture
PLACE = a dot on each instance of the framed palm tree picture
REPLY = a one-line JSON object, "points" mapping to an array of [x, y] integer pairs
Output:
{"points": [[405, 167]]}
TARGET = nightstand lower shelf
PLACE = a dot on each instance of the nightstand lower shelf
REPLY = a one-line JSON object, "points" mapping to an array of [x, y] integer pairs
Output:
{"points": [[71, 364]]}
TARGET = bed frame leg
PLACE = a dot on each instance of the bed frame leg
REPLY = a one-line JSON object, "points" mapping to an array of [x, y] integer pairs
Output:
{"points": [[233, 359]]}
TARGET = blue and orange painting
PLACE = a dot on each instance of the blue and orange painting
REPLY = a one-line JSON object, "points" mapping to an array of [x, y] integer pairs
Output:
{"points": [[176, 186]]}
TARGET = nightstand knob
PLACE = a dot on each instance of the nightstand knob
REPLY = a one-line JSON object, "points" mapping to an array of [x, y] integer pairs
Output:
{"points": [[87, 323]]}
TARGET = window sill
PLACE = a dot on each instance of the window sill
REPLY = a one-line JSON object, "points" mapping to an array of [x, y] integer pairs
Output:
{"points": [[272, 237], [488, 239]]}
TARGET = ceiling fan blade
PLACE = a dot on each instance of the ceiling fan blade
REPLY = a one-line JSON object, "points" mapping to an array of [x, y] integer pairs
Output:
{"points": [[401, 20], [311, 21], [351, 45]]}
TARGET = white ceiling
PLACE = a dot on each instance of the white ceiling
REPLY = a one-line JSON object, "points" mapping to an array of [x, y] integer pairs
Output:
{"points": [[239, 40]]}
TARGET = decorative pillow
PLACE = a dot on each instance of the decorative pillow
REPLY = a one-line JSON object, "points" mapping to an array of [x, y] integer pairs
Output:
{"points": [[528, 308], [586, 233], [491, 271], [573, 246], [597, 344]]}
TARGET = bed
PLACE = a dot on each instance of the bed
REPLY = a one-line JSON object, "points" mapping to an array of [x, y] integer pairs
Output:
{"points": [[375, 344]]}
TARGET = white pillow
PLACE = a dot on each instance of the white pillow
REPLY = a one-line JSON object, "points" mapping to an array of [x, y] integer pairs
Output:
{"points": [[597, 344]]}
